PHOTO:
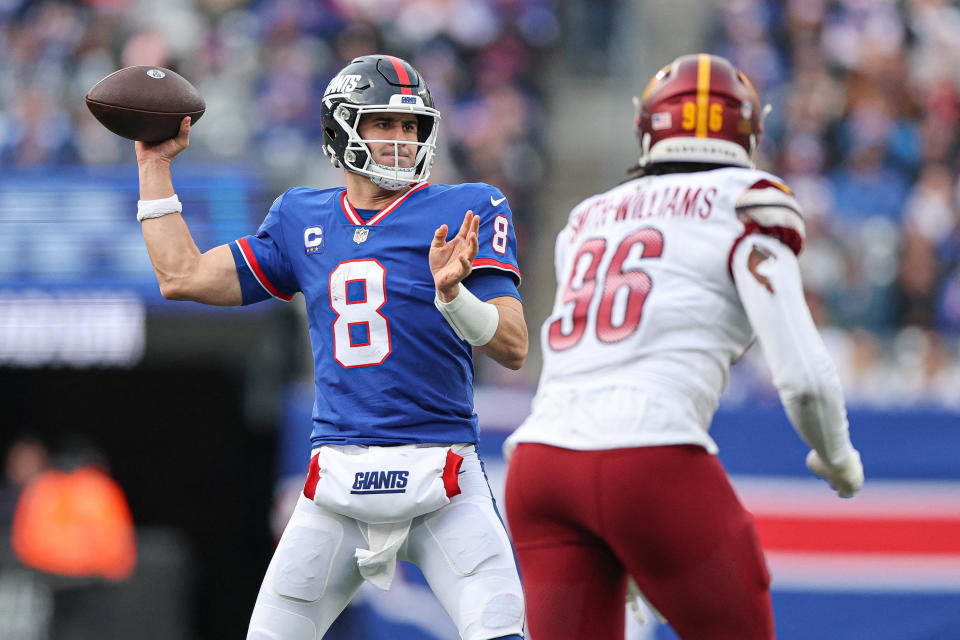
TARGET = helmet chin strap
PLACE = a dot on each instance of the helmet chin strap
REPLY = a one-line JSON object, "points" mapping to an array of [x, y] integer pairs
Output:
{"points": [[767, 108], [644, 150]]}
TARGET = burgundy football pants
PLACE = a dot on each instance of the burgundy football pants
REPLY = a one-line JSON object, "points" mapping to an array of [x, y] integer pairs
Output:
{"points": [[582, 521]]}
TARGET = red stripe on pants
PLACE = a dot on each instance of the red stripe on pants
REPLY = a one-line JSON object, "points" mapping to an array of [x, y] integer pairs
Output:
{"points": [[313, 476]]}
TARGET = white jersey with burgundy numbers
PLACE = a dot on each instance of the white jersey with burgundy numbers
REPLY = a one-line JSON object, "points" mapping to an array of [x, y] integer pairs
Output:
{"points": [[647, 318]]}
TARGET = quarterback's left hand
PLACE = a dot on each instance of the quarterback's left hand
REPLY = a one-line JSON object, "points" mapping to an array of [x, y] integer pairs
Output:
{"points": [[846, 479], [451, 262]]}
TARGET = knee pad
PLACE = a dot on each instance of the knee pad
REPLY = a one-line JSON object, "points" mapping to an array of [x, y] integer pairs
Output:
{"points": [[491, 607], [473, 542], [273, 623], [303, 561], [470, 539]]}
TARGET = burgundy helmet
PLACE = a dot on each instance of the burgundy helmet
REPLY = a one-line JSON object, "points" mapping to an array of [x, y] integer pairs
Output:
{"points": [[699, 108]]}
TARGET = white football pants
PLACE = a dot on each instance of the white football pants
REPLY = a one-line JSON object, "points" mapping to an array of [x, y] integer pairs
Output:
{"points": [[462, 550]]}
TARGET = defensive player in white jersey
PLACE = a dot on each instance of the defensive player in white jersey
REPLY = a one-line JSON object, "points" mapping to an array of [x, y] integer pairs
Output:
{"points": [[663, 282], [395, 307]]}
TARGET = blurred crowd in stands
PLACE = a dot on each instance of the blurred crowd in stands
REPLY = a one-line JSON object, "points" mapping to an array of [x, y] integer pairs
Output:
{"points": [[262, 67], [866, 98], [865, 95]]}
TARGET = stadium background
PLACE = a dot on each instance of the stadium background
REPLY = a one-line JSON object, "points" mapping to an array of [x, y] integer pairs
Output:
{"points": [[199, 413]]}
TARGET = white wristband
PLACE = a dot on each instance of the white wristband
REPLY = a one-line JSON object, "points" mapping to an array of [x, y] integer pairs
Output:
{"points": [[472, 319], [157, 208]]}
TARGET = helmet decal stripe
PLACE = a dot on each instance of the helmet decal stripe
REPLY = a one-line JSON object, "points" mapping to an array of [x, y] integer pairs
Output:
{"points": [[402, 74], [703, 93], [655, 80], [743, 77]]}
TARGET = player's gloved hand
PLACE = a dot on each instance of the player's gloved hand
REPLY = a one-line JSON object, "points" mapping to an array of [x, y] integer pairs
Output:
{"points": [[845, 479]]}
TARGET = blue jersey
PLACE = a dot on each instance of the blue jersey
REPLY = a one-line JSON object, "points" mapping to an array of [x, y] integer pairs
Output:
{"points": [[388, 367]]}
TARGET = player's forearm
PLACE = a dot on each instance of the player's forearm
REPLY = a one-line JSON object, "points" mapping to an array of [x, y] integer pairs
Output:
{"points": [[803, 372], [155, 179], [172, 250], [822, 423], [184, 273], [173, 253], [510, 343]]}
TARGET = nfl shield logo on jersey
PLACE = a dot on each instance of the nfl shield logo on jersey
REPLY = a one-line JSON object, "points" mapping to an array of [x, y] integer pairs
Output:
{"points": [[360, 235]]}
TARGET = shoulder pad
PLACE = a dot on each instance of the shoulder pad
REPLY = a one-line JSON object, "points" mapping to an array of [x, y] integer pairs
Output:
{"points": [[768, 206]]}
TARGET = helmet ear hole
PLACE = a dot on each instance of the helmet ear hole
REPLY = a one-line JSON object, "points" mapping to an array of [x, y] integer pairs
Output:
{"points": [[424, 127]]}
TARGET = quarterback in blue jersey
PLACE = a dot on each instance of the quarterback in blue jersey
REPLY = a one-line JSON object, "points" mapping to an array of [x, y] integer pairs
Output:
{"points": [[402, 279]]}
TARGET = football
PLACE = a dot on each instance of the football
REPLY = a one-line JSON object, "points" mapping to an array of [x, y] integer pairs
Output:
{"points": [[145, 103]]}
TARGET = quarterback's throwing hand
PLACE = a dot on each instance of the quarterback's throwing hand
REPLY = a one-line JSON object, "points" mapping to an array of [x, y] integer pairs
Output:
{"points": [[452, 261], [845, 479], [167, 149]]}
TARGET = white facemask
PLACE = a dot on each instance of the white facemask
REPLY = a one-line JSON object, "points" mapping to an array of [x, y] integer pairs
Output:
{"points": [[390, 178]]}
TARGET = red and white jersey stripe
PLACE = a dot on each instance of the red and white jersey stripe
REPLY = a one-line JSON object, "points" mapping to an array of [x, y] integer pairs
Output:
{"points": [[355, 218]]}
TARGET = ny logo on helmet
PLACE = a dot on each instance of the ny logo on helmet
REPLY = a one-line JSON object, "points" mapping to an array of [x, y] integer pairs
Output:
{"points": [[343, 83]]}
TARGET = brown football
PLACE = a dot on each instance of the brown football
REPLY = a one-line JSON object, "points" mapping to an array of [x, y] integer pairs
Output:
{"points": [[145, 103]]}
